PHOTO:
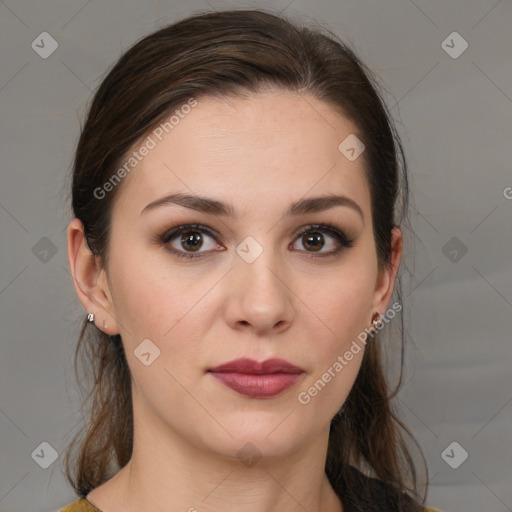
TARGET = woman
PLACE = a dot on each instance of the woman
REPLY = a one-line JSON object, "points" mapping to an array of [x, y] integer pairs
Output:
{"points": [[238, 189]]}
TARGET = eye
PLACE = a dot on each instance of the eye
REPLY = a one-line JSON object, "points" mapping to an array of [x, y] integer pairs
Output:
{"points": [[187, 240], [313, 239], [190, 239]]}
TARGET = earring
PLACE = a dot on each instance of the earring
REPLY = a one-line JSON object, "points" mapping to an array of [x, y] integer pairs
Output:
{"points": [[90, 317], [376, 320]]}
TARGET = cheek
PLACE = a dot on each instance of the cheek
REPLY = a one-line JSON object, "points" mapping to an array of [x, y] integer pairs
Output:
{"points": [[337, 351], [147, 301], [342, 304], [171, 308], [153, 305], [338, 313], [343, 322], [150, 308]]}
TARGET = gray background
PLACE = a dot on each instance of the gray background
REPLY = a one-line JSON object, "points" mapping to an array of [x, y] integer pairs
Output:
{"points": [[454, 115]]}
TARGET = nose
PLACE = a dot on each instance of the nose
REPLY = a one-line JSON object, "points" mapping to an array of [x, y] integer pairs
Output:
{"points": [[260, 296]]}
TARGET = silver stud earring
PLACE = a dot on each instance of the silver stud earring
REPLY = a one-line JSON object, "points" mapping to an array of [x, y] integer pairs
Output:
{"points": [[90, 317], [376, 320]]}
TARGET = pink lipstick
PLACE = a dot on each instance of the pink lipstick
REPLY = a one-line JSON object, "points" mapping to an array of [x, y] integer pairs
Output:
{"points": [[258, 379]]}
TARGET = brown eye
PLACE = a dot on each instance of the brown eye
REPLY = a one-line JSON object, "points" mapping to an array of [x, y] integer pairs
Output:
{"points": [[191, 241], [314, 238], [314, 241], [186, 240]]}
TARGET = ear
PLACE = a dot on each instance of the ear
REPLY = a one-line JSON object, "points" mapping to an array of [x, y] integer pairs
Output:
{"points": [[386, 277], [90, 280]]}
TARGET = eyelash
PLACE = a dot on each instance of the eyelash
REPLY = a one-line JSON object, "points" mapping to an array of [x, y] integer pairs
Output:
{"points": [[340, 237]]}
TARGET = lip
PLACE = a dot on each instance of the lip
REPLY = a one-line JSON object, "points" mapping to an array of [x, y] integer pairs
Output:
{"points": [[258, 379], [252, 367]]}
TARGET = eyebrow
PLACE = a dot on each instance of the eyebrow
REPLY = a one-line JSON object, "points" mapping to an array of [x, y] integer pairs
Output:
{"points": [[215, 207]]}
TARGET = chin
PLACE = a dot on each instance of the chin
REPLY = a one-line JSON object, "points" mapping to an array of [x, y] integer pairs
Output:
{"points": [[254, 436]]}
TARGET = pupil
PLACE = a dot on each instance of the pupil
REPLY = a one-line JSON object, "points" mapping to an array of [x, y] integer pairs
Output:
{"points": [[310, 240], [194, 240]]}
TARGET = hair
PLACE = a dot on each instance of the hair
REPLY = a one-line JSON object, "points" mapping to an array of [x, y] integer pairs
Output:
{"points": [[239, 53]]}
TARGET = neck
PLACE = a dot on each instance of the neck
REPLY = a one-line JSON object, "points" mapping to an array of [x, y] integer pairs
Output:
{"points": [[167, 472]]}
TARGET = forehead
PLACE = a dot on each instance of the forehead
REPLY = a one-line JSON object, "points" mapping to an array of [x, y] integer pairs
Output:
{"points": [[275, 146]]}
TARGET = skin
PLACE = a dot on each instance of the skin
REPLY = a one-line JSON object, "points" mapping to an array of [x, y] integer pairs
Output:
{"points": [[258, 154]]}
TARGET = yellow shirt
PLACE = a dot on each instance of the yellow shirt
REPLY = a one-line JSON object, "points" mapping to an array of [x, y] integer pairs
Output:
{"points": [[82, 505]]}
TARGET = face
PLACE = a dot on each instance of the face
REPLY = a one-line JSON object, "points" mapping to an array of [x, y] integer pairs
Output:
{"points": [[261, 280]]}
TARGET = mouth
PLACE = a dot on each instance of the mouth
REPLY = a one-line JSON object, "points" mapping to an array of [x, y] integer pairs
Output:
{"points": [[258, 379]]}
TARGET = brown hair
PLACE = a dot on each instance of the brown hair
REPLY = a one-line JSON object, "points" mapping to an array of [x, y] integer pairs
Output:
{"points": [[218, 54]]}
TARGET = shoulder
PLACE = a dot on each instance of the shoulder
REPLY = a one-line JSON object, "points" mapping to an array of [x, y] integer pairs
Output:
{"points": [[361, 492], [80, 505]]}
